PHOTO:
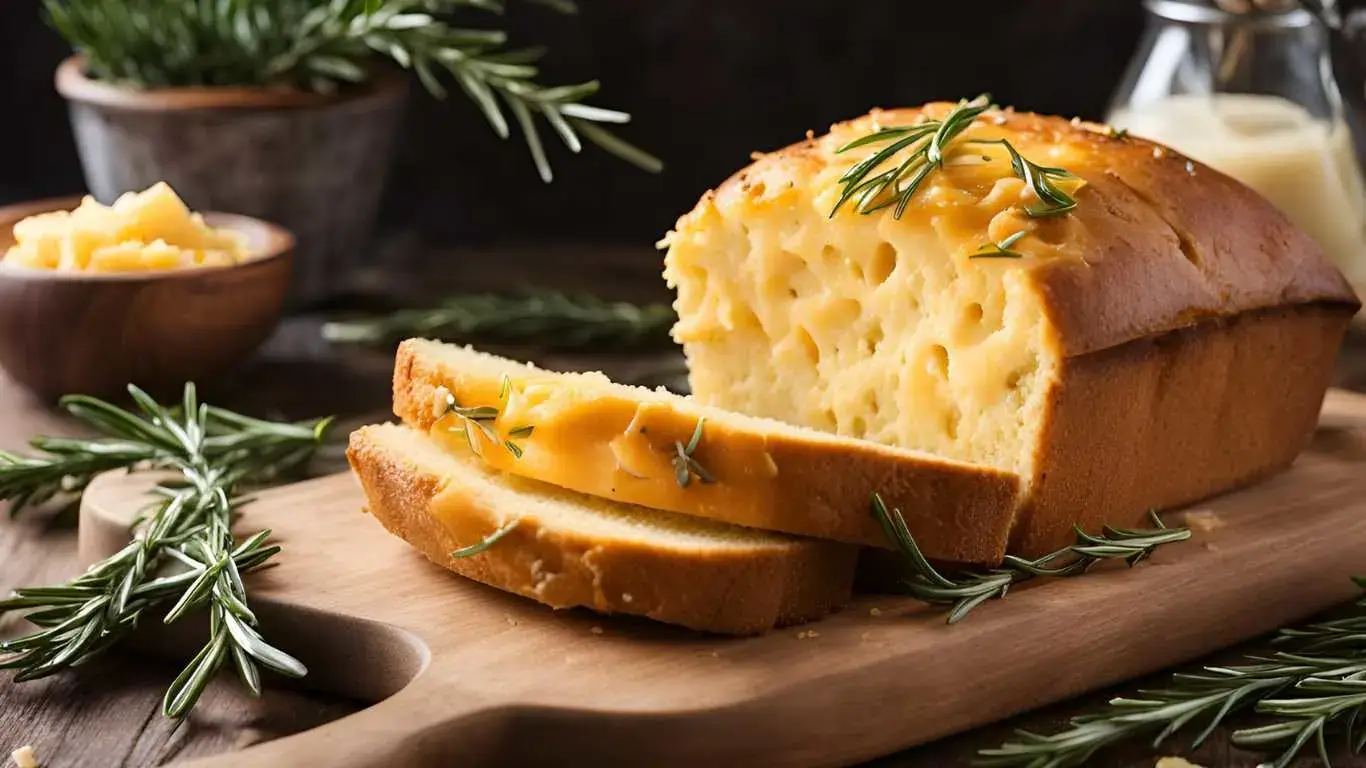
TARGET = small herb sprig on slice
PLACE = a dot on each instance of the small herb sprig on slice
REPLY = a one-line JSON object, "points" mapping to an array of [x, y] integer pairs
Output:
{"points": [[482, 418], [488, 541], [1316, 683], [968, 589], [545, 318], [685, 466], [929, 144], [215, 452]]}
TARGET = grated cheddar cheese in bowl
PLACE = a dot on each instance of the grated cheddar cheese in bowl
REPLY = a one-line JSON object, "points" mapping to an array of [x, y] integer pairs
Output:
{"points": [[152, 230]]}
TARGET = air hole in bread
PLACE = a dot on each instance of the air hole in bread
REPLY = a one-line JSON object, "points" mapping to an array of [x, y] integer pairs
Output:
{"points": [[807, 344], [937, 361], [972, 313], [871, 339], [841, 313], [952, 418], [858, 427], [883, 262]]}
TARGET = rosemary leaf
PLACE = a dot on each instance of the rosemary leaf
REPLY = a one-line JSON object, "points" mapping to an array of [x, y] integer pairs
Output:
{"points": [[685, 466], [548, 319], [965, 590], [326, 47], [929, 145], [187, 528], [487, 541]]}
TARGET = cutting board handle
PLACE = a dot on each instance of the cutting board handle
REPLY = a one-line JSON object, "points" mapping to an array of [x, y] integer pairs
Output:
{"points": [[424, 724]]}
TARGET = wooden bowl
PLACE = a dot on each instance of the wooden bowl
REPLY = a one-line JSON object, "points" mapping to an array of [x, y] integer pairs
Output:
{"points": [[73, 333]]}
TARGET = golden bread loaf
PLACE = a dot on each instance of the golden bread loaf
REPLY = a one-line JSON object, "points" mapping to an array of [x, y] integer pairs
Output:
{"points": [[1168, 339]]}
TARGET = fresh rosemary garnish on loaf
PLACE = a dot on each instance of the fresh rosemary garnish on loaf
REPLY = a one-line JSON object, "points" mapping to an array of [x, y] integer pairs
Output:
{"points": [[545, 318], [930, 143], [902, 181], [1002, 249], [1053, 201], [966, 590], [215, 453], [1313, 684], [488, 541], [685, 466]]}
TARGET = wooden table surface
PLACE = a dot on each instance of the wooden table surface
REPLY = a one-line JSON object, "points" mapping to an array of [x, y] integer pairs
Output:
{"points": [[108, 714]]}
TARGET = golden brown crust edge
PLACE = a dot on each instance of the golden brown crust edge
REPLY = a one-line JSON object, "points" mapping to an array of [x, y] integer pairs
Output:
{"points": [[1168, 241], [1164, 422], [957, 512], [736, 592]]}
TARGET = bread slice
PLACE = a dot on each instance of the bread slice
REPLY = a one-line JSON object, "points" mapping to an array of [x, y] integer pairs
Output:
{"points": [[569, 549], [623, 443], [1169, 338]]}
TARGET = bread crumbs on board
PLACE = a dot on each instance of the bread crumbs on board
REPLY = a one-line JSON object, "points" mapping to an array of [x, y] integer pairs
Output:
{"points": [[24, 757], [1203, 520], [596, 630], [1176, 762]]}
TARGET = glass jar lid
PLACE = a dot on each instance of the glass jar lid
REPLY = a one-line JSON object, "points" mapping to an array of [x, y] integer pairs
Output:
{"points": [[1255, 13]]}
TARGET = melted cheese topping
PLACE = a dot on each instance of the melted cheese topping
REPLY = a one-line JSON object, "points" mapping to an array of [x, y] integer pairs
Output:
{"points": [[873, 326], [586, 439]]}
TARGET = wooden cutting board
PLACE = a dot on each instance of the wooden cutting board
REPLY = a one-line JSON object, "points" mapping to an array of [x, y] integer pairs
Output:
{"points": [[465, 673]]}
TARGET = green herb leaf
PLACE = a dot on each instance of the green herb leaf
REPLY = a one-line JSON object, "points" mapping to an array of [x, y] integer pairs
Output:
{"points": [[685, 466], [966, 590], [328, 46], [214, 452], [488, 541], [549, 319]]}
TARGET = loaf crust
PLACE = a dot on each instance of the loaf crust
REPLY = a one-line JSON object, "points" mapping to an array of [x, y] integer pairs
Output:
{"points": [[729, 590], [1165, 241], [819, 486], [1164, 422]]}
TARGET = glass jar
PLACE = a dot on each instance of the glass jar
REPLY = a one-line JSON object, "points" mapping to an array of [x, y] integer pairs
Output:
{"points": [[1247, 88]]}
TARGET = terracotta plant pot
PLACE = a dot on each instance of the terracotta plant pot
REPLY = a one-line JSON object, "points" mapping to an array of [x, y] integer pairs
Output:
{"points": [[313, 163]]}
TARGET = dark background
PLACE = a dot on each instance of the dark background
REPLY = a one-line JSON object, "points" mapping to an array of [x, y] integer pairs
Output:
{"points": [[708, 81]]}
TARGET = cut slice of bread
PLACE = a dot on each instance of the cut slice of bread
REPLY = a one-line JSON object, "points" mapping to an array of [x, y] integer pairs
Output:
{"points": [[568, 549], [631, 444]]}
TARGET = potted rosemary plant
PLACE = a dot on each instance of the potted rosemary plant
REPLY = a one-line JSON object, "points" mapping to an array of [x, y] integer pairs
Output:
{"points": [[287, 109]]}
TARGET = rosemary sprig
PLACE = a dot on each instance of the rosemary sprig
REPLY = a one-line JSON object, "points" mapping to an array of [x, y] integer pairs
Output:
{"points": [[488, 541], [1052, 201], [324, 46], [546, 318], [1314, 686], [929, 145], [968, 589], [184, 557], [482, 418], [685, 466], [1002, 249]]}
